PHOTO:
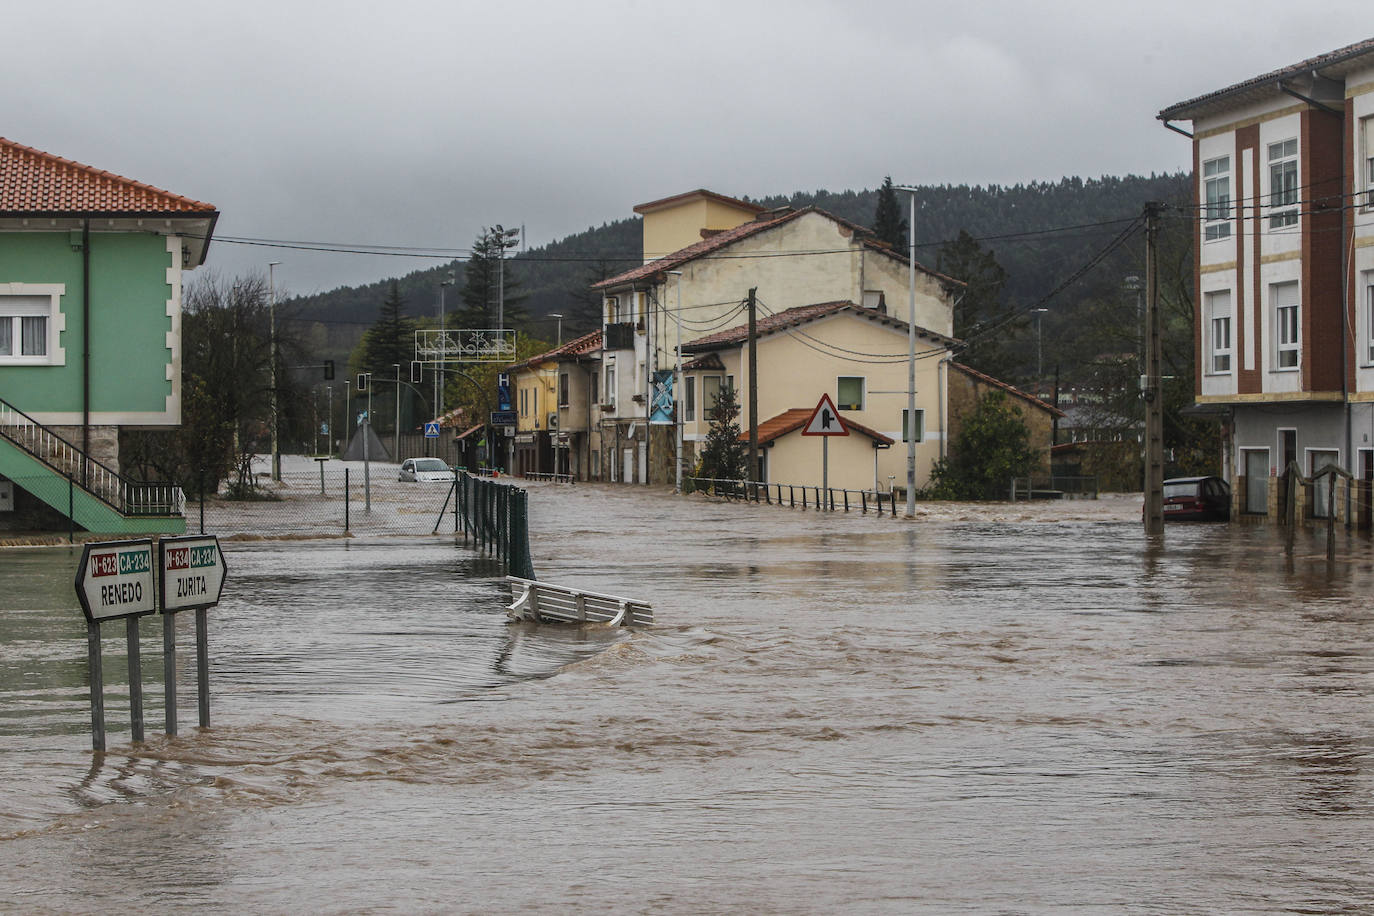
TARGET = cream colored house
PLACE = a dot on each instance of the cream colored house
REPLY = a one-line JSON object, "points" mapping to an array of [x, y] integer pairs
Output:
{"points": [[724, 248], [857, 356]]}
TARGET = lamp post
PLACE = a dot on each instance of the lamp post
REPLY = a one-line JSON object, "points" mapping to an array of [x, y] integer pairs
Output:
{"points": [[272, 355], [909, 423], [443, 349], [558, 316]]}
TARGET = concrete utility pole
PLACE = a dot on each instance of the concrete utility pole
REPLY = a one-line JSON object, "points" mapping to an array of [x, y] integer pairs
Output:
{"points": [[678, 418], [909, 426], [753, 386], [1154, 396], [272, 355]]}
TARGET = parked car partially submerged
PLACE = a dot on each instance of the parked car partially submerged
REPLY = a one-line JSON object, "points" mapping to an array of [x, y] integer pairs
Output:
{"points": [[424, 470], [1200, 499]]}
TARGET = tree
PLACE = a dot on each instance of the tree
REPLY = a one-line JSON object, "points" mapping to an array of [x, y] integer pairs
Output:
{"points": [[388, 344], [992, 447], [490, 288], [888, 224], [586, 314], [982, 316], [724, 456]]}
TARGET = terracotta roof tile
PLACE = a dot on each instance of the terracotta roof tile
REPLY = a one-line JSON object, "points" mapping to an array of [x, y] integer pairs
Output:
{"points": [[580, 346], [32, 181], [790, 421]]}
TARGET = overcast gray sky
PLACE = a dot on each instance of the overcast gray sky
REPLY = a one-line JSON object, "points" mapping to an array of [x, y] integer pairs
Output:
{"points": [[416, 123]]}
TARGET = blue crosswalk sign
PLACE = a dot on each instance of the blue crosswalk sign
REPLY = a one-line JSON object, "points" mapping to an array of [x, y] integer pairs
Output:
{"points": [[432, 430]]}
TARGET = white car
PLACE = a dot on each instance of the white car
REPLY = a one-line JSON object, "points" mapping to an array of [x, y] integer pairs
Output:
{"points": [[425, 469]]}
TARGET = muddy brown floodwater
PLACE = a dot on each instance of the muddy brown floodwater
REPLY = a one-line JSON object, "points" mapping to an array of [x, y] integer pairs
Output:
{"points": [[988, 710]]}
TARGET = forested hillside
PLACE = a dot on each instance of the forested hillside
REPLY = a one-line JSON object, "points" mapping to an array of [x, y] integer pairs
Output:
{"points": [[1039, 233]]}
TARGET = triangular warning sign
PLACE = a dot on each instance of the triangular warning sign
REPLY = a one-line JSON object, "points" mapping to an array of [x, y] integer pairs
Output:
{"points": [[825, 421]]}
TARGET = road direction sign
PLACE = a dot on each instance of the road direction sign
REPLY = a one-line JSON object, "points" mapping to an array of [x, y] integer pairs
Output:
{"points": [[825, 420], [192, 572], [115, 579], [432, 430]]}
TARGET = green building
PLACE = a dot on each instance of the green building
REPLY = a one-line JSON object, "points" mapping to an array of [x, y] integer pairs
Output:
{"points": [[90, 336]]}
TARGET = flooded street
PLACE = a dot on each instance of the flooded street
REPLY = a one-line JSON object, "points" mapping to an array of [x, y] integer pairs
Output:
{"points": [[1015, 709]]}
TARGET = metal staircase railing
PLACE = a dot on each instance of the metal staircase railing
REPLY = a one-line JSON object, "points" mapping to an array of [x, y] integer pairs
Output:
{"points": [[128, 498]]}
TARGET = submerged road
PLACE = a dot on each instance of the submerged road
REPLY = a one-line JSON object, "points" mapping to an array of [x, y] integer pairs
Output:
{"points": [[992, 710]]}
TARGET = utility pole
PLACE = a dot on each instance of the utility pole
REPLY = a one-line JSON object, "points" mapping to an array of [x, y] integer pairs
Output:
{"points": [[753, 386], [396, 428], [272, 355], [1154, 399]]}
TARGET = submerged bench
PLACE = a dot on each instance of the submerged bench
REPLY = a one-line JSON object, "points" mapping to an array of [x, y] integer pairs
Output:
{"points": [[533, 600]]}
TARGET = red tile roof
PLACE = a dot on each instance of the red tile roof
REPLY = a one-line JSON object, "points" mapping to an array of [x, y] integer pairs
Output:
{"points": [[753, 227], [1009, 389], [580, 346], [801, 314], [32, 181], [709, 361], [790, 421]]}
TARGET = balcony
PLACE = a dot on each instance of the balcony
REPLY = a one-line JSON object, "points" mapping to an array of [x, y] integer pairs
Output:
{"points": [[620, 336]]}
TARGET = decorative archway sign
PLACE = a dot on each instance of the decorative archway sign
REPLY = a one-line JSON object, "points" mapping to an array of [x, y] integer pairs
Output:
{"points": [[118, 579]]}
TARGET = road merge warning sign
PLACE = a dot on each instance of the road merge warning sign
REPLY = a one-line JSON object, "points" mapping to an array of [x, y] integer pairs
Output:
{"points": [[825, 420], [115, 579]]}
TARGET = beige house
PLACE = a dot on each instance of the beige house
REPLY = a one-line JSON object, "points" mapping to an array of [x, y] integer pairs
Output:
{"points": [[717, 250], [554, 395], [857, 356]]}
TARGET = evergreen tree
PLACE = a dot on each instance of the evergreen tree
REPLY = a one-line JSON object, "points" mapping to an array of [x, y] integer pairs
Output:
{"points": [[490, 287], [888, 224], [586, 314], [389, 343], [992, 447], [982, 316], [724, 456]]}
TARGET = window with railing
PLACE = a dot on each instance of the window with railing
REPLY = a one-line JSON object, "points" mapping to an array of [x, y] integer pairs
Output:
{"points": [[1219, 330], [1286, 325]]}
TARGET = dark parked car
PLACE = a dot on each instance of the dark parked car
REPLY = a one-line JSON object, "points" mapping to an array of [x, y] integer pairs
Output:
{"points": [[1200, 499]]}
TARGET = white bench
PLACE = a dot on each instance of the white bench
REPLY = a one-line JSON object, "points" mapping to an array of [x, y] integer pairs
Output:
{"points": [[531, 600]]}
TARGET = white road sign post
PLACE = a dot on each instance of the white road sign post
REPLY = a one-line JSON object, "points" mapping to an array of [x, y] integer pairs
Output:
{"points": [[191, 570], [826, 422], [113, 580]]}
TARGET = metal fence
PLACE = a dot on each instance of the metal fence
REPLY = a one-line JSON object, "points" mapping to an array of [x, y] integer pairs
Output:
{"points": [[797, 496], [497, 518]]}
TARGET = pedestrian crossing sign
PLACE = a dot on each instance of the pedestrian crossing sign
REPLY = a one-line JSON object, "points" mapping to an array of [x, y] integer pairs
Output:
{"points": [[432, 429]]}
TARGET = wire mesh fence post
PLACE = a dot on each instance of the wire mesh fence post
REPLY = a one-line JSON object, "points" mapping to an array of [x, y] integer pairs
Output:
{"points": [[346, 498]]}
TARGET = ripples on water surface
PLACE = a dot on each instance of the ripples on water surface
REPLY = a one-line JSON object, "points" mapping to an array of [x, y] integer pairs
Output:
{"points": [[833, 714]]}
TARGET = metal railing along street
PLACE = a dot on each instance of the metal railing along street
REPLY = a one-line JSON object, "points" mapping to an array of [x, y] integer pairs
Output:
{"points": [[793, 496]]}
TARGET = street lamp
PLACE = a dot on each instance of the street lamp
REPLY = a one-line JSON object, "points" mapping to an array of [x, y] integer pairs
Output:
{"points": [[909, 426], [560, 326], [272, 353], [443, 348]]}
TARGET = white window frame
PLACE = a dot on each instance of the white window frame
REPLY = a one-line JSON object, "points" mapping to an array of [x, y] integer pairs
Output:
{"points": [[707, 404], [1283, 183], [609, 395], [1287, 327], [863, 392], [1368, 278], [33, 300], [1220, 337], [1366, 156], [920, 429], [1216, 194]]}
